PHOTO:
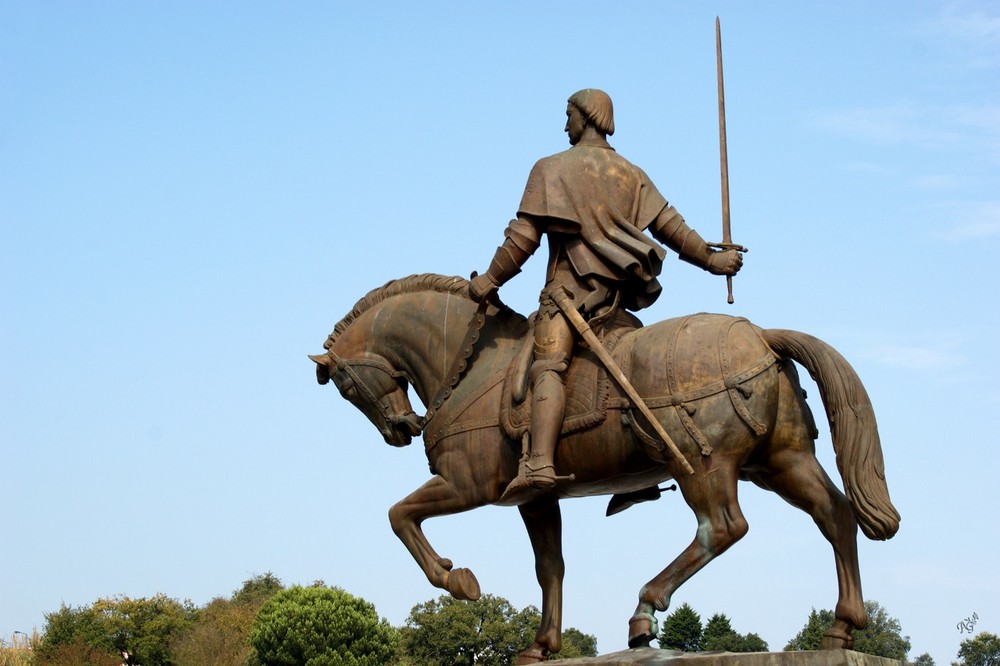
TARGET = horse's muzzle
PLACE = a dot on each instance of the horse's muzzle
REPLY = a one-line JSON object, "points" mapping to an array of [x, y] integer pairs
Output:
{"points": [[403, 428]]}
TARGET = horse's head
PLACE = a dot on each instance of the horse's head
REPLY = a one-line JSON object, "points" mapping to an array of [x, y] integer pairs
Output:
{"points": [[375, 388], [401, 319]]}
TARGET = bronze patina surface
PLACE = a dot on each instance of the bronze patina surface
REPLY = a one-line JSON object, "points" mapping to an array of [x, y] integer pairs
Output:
{"points": [[706, 400]]}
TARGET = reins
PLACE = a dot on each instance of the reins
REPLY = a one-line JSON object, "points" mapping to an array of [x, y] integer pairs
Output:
{"points": [[347, 366]]}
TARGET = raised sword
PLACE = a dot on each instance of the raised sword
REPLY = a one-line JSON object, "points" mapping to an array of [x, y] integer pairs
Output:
{"points": [[727, 233]]}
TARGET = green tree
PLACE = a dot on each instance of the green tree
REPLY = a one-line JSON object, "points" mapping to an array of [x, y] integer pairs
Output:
{"points": [[882, 636], [219, 637], [720, 635], [682, 630], [751, 643], [983, 650], [575, 644], [448, 632], [924, 660], [220, 634], [257, 589], [70, 626], [137, 630], [77, 653], [321, 626], [718, 631], [811, 635]]}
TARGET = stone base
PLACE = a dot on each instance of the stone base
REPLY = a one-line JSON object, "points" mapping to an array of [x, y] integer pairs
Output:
{"points": [[654, 657]]}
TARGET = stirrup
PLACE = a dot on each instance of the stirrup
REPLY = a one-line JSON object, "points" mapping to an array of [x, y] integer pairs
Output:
{"points": [[531, 482]]}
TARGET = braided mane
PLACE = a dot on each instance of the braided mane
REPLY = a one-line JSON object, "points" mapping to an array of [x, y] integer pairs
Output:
{"points": [[414, 283]]}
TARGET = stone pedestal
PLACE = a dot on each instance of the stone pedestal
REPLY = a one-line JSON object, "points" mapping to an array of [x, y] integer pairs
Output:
{"points": [[654, 657]]}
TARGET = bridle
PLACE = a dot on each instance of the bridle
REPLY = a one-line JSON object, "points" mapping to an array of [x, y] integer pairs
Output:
{"points": [[348, 365]]}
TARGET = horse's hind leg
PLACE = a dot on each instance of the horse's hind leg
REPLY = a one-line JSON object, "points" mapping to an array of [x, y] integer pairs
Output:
{"points": [[437, 497], [796, 476], [787, 465], [711, 494], [544, 524]]}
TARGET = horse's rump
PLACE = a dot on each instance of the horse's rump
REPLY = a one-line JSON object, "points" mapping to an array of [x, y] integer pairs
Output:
{"points": [[694, 372]]}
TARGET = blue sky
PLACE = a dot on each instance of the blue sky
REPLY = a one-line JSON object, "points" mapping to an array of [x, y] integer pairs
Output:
{"points": [[192, 195]]}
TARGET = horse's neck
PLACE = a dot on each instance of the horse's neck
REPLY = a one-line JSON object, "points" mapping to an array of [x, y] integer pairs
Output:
{"points": [[424, 339]]}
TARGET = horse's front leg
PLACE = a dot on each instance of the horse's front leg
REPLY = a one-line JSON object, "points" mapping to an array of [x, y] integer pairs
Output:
{"points": [[544, 524], [437, 497]]}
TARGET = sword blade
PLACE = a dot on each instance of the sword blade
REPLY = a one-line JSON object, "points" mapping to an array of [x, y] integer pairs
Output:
{"points": [[727, 234]]}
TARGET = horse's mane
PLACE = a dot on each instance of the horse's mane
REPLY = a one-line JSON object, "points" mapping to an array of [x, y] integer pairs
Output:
{"points": [[442, 284]]}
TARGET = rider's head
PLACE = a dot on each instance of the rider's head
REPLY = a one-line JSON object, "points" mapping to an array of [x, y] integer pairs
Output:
{"points": [[595, 105]]}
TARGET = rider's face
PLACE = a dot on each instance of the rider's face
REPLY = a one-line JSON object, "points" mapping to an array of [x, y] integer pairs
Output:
{"points": [[575, 123]]}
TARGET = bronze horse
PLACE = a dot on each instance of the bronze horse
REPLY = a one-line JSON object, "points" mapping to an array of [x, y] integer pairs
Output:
{"points": [[723, 388]]}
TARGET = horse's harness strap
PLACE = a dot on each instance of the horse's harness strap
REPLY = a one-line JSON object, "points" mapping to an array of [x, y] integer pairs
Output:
{"points": [[449, 427], [681, 401], [683, 397], [683, 411], [348, 367], [737, 393]]}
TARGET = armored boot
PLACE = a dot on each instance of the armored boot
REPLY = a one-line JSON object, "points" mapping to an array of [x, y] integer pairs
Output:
{"points": [[536, 474]]}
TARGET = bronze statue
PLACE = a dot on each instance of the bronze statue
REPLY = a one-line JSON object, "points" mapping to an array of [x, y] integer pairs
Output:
{"points": [[724, 388], [705, 399], [593, 205]]}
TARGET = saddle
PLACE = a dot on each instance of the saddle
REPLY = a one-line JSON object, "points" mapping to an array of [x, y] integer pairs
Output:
{"points": [[667, 383], [587, 383]]}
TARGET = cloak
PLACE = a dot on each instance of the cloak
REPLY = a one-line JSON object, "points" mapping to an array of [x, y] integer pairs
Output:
{"points": [[599, 203]]}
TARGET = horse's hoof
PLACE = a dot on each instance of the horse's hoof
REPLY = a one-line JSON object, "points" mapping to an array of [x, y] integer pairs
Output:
{"points": [[462, 585], [834, 639], [532, 655], [641, 630]]}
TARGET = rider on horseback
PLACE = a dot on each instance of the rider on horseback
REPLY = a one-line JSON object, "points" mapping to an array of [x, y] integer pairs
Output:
{"points": [[593, 205]]}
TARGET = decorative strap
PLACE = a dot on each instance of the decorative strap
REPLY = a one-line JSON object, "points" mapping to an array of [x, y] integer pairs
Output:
{"points": [[449, 427], [718, 386], [737, 392], [461, 360]]}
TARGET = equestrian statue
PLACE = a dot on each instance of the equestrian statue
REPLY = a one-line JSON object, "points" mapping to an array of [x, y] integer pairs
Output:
{"points": [[581, 399]]}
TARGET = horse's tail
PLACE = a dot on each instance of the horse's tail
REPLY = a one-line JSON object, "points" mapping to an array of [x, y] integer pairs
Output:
{"points": [[852, 426]]}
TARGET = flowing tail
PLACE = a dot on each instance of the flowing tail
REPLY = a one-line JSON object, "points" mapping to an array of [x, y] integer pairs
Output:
{"points": [[852, 426]]}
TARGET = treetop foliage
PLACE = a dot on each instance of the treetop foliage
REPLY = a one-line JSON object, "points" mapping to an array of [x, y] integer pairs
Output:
{"points": [[882, 637], [982, 650], [487, 632], [258, 589], [682, 630], [448, 632], [321, 626], [137, 630]]}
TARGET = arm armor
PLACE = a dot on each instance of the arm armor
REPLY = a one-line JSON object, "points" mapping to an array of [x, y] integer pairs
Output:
{"points": [[670, 229], [520, 242]]}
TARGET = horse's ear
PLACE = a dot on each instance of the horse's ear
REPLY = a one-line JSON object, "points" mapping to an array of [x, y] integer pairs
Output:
{"points": [[322, 367]]}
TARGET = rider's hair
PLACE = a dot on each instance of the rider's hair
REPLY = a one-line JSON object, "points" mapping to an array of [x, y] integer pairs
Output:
{"points": [[596, 107]]}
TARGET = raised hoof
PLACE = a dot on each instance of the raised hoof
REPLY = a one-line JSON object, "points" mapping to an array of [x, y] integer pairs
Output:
{"points": [[462, 585], [641, 630], [532, 655], [835, 639]]}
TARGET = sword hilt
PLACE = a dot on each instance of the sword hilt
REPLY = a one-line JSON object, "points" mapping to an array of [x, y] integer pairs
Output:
{"points": [[729, 278], [729, 246]]}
